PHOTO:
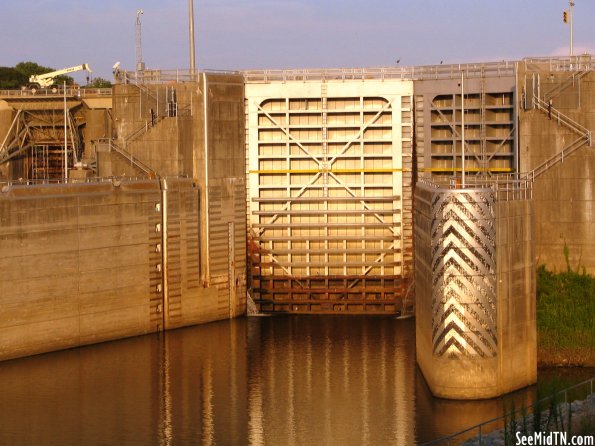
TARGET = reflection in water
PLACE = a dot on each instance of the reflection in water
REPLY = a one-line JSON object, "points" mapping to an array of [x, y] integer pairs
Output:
{"points": [[272, 380], [166, 401], [333, 380]]}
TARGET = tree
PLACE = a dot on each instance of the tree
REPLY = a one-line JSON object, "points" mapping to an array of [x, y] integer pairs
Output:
{"points": [[10, 78], [99, 82], [28, 69]]}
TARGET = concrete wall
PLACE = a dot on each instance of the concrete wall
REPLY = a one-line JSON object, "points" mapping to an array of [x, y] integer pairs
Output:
{"points": [[90, 262], [219, 168], [517, 327], [196, 130], [564, 196], [475, 292]]}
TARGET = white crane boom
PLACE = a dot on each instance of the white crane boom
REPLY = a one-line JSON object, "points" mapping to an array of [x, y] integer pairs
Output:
{"points": [[37, 81]]}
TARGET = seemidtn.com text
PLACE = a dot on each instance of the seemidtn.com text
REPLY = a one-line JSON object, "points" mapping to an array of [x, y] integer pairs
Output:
{"points": [[553, 439]]}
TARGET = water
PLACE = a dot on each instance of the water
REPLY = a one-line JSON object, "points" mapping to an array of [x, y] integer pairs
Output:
{"points": [[267, 380]]}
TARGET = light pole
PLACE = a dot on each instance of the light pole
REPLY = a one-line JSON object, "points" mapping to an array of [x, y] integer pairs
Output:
{"points": [[571, 2], [191, 36]]}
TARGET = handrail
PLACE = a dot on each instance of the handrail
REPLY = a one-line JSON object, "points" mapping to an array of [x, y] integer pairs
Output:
{"points": [[479, 426], [567, 83], [561, 118], [70, 92], [450, 71], [567, 63], [133, 160], [142, 129], [555, 159], [505, 187], [161, 76]]}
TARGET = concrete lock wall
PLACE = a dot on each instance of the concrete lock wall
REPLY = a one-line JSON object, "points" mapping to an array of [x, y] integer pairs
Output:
{"points": [[475, 292], [563, 194], [91, 262], [194, 129]]}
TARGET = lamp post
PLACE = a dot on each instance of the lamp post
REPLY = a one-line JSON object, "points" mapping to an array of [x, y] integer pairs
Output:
{"points": [[191, 36], [571, 2]]}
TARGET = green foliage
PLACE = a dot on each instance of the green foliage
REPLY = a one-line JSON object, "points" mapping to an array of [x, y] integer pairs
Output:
{"points": [[29, 68], [99, 82], [566, 308], [11, 79], [24, 70]]}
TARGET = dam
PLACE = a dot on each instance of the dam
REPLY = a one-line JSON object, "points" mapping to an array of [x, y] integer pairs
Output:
{"points": [[297, 191]]}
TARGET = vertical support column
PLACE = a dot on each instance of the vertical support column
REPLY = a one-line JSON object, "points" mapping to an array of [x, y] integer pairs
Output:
{"points": [[231, 267], [207, 217], [164, 253]]}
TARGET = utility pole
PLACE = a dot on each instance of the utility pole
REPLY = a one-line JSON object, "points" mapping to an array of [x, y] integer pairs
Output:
{"points": [[567, 17], [571, 2], [191, 36]]}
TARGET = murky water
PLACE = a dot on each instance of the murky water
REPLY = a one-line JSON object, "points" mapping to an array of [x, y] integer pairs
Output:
{"points": [[268, 380]]}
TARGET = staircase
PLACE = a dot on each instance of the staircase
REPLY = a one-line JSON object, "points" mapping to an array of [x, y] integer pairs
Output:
{"points": [[142, 130], [584, 137], [564, 85], [108, 145]]}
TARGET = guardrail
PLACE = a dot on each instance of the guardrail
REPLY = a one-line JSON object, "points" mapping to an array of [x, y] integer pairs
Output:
{"points": [[6, 185], [161, 76], [561, 118], [70, 92], [481, 429], [569, 63], [507, 187], [451, 71]]}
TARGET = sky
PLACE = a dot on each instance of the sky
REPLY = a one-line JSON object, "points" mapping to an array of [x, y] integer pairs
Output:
{"points": [[259, 34]]}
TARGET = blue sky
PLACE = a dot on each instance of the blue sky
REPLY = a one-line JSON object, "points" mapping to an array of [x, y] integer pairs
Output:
{"points": [[242, 34]]}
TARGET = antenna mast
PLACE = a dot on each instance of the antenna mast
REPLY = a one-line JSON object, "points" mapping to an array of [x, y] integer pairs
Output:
{"points": [[140, 65]]}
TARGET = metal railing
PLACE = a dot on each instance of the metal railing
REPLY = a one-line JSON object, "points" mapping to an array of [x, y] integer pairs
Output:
{"points": [[109, 143], [569, 63], [451, 71], [7, 185], [557, 158], [570, 81], [70, 92], [479, 431], [562, 119], [506, 187], [162, 76]]}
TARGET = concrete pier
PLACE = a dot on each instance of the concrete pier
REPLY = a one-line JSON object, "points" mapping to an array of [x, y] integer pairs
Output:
{"points": [[475, 290]]}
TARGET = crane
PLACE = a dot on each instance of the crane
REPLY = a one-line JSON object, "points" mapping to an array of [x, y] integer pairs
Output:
{"points": [[46, 80]]}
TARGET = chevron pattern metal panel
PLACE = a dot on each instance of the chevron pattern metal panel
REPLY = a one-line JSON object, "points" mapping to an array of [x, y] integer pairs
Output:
{"points": [[463, 244]]}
